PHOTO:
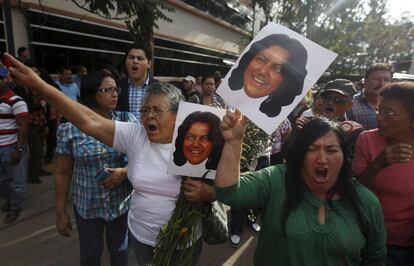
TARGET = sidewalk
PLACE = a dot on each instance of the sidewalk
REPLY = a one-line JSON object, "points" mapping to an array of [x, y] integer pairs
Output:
{"points": [[33, 239]]}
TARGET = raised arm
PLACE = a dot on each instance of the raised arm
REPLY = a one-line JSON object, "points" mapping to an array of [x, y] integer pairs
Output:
{"points": [[233, 127], [81, 116]]}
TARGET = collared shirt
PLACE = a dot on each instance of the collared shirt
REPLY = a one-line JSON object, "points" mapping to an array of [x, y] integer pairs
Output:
{"points": [[90, 156], [136, 97], [217, 101], [71, 90], [362, 112]]}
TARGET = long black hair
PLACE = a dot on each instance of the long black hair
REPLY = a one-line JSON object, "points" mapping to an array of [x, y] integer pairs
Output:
{"points": [[295, 186], [89, 84], [214, 135], [293, 72]]}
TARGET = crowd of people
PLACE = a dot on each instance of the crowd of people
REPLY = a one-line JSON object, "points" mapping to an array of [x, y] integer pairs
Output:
{"points": [[331, 187]]}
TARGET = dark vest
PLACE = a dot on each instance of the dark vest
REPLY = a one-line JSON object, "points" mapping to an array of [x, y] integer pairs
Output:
{"points": [[123, 97]]}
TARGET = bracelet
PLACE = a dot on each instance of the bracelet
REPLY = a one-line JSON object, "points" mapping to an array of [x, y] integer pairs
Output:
{"points": [[19, 148]]}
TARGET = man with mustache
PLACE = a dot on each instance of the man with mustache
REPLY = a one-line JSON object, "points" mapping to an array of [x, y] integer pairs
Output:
{"points": [[365, 103], [133, 87]]}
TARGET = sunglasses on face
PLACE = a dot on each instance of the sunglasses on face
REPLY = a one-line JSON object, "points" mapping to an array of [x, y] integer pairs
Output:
{"points": [[336, 100], [109, 90]]}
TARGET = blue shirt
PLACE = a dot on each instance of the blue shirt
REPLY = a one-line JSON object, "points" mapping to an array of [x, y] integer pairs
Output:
{"points": [[71, 90], [136, 97], [90, 156]]}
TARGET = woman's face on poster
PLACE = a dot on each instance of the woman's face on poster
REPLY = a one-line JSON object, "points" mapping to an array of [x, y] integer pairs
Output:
{"points": [[263, 73], [197, 146]]}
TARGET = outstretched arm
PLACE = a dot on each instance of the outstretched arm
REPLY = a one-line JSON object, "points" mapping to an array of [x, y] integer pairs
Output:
{"points": [[233, 127], [81, 116]]}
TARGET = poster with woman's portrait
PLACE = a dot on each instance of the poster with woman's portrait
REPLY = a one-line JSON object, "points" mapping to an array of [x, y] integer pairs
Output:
{"points": [[273, 74], [197, 139]]}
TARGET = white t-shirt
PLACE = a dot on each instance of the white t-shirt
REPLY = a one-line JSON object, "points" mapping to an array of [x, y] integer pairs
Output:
{"points": [[155, 191]]}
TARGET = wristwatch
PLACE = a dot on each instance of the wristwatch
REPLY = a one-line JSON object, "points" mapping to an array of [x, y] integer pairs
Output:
{"points": [[19, 148]]}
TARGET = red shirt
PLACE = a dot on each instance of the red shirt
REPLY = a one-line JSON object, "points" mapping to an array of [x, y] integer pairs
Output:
{"points": [[393, 185]]}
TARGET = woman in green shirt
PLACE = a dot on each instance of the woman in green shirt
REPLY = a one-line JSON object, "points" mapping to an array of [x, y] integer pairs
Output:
{"points": [[314, 212]]}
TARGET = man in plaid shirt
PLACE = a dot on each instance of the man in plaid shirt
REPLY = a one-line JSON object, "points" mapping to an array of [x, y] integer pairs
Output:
{"points": [[365, 103], [133, 87]]}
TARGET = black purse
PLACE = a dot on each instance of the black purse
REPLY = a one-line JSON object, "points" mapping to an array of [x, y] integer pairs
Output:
{"points": [[215, 223], [215, 228]]}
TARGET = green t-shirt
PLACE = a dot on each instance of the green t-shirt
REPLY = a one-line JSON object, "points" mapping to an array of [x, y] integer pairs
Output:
{"points": [[340, 241]]}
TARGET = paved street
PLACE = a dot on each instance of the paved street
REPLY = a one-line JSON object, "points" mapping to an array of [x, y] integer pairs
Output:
{"points": [[33, 240]]}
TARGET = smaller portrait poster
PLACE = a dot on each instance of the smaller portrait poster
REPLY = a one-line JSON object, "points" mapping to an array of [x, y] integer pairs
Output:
{"points": [[273, 74], [197, 141]]}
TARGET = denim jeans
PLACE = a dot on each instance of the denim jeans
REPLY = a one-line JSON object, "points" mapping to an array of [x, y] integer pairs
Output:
{"points": [[13, 177], [397, 256], [91, 237], [144, 253]]}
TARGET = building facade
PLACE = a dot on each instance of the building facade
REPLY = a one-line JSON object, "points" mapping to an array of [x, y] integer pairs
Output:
{"points": [[204, 36]]}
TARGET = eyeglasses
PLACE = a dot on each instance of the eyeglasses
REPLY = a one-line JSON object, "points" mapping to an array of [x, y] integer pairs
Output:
{"points": [[336, 100], [110, 90], [155, 110], [389, 113]]}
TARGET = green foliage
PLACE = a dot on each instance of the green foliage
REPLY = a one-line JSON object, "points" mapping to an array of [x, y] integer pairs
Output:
{"points": [[140, 16], [254, 142]]}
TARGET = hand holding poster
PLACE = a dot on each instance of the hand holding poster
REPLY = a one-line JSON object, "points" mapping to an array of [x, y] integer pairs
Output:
{"points": [[273, 74], [198, 141]]}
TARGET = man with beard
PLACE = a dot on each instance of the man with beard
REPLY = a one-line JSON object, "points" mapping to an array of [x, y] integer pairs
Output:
{"points": [[365, 103], [133, 87]]}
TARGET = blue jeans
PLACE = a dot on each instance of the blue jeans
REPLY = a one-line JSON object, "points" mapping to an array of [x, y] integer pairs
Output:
{"points": [[91, 235], [397, 256], [13, 177]]}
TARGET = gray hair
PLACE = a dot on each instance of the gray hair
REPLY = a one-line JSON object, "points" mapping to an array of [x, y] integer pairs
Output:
{"points": [[173, 94]]}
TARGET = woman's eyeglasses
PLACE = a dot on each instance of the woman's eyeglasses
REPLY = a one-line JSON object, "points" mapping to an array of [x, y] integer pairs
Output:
{"points": [[387, 112], [155, 110], [110, 90]]}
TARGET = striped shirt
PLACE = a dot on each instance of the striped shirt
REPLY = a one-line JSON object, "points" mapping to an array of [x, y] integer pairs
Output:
{"points": [[136, 97], [90, 156], [11, 106]]}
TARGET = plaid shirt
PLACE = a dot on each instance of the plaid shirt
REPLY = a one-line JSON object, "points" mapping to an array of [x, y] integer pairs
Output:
{"points": [[136, 97], [90, 156], [362, 112], [277, 136]]}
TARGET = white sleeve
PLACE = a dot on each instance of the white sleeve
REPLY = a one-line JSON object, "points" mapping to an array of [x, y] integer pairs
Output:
{"points": [[128, 135]]}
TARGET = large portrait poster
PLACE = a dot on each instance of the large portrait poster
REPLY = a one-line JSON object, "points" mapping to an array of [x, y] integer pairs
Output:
{"points": [[273, 74], [197, 139]]}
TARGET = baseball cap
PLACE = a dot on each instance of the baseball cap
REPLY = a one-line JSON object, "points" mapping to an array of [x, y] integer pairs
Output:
{"points": [[3, 72], [342, 86], [190, 78]]}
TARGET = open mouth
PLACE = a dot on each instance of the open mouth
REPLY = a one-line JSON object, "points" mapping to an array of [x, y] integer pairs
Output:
{"points": [[321, 174], [134, 68], [259, 80], [152, 128]]}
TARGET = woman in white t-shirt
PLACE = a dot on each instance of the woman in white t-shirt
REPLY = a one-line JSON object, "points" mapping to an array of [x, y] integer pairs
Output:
{"points": [[147, 146]]}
